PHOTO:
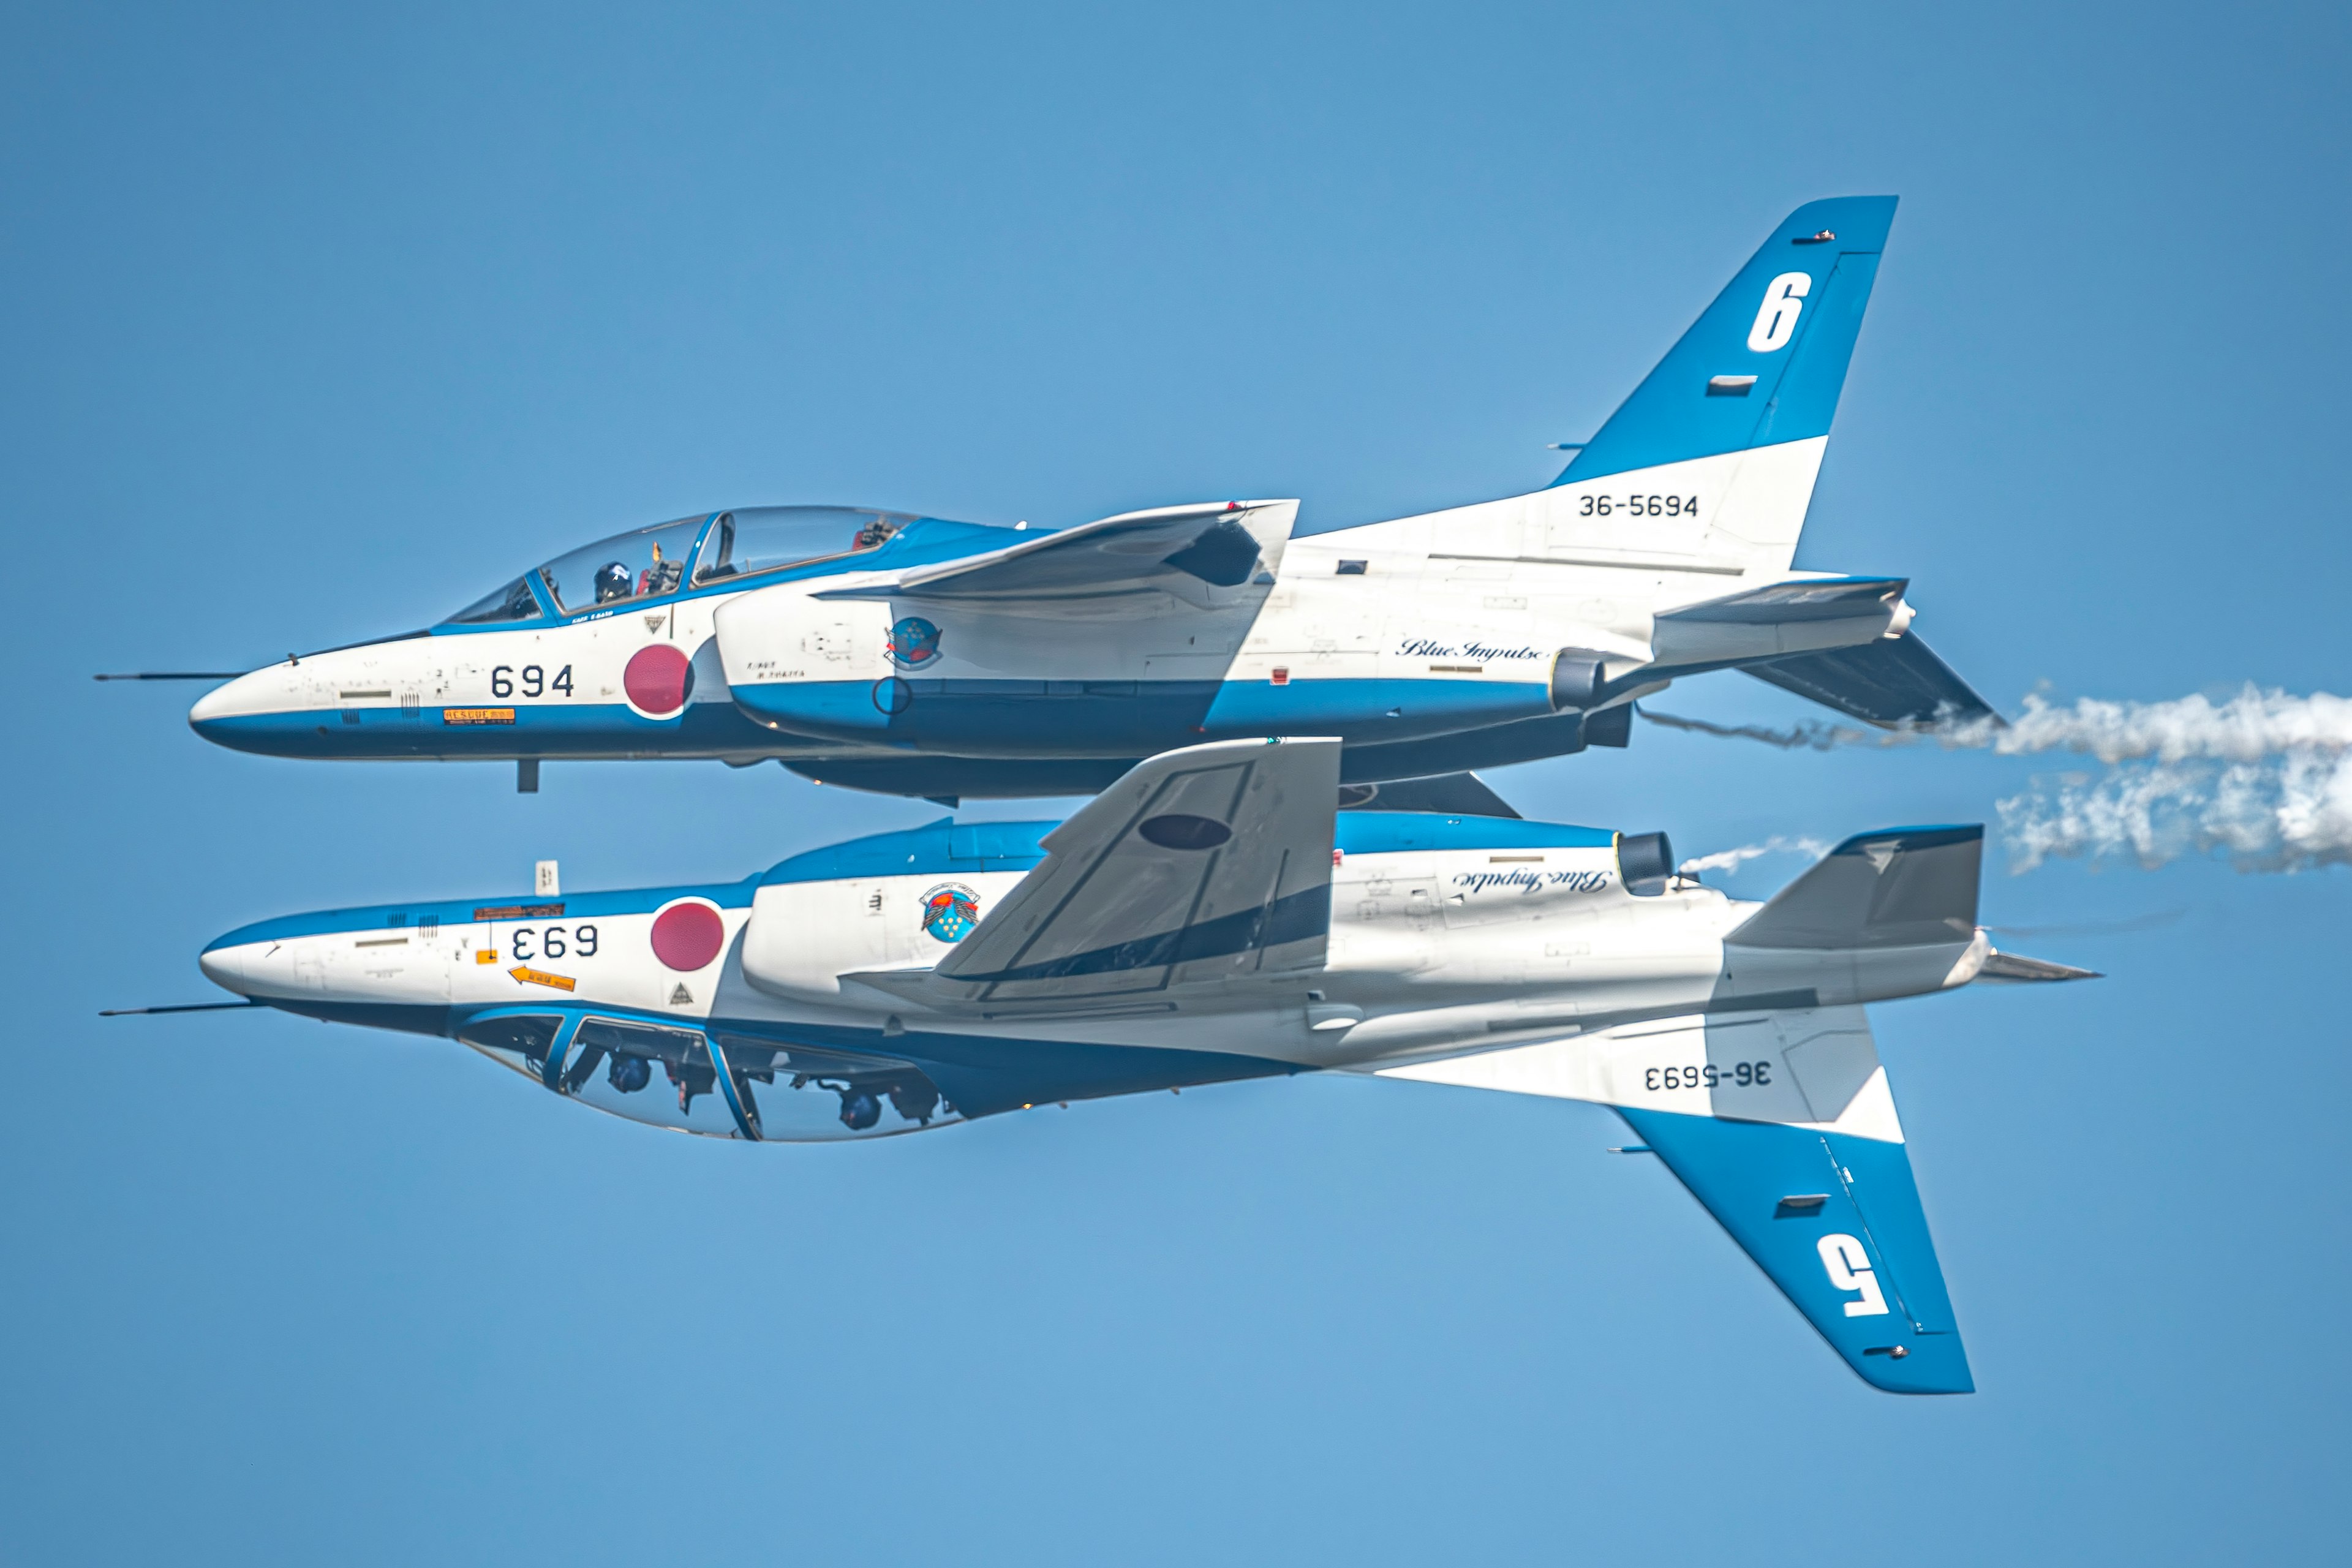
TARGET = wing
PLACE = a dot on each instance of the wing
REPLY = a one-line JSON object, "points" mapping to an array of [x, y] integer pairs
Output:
{"points": [[1892, 681], [1782, 1126], [1201, 865], [1221, 544]]}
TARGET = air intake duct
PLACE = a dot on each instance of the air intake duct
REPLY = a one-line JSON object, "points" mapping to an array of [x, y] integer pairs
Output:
{"points": [[1646, 862]]}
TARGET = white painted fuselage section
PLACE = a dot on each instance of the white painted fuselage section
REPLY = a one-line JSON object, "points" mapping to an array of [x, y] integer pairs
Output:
{"points": [[1429, 624], [1431, 953]]}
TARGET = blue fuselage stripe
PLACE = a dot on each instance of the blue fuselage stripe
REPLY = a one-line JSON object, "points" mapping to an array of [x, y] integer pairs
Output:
{"points": [[575, 728], [1078, 718]]}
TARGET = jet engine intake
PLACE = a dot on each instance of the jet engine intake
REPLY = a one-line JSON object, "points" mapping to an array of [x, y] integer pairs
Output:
{"points": [[816, 667]]}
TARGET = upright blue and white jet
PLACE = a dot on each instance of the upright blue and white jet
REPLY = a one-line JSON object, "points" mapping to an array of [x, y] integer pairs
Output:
{"points": [[1214, 917], [923, 657]]}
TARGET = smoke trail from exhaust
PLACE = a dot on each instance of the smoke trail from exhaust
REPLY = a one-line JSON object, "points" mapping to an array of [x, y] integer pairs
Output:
{"points": [[2286, 813], [2264, 777], [1809, 735], [2254, 726], [1732, 860]]}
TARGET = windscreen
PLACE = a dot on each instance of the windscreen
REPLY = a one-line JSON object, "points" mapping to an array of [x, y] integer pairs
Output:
{"points": [[762, 539], [645, 564], [512, 602]]}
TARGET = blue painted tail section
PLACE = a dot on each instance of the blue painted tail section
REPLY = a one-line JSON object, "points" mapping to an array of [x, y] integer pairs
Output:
{"points": [[1835, 1222], [1766, 361]]}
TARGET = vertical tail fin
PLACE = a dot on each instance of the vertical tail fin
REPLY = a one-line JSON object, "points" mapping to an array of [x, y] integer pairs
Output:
{"points": [[1782, 1125], [1765, 362], [1833, 1218]]}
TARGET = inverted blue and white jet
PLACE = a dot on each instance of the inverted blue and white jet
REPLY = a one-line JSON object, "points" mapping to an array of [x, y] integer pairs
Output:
{"points": [[923, 657], [1212, 917]]}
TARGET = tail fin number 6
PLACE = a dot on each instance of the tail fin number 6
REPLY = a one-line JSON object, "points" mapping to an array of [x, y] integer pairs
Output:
{"points": [[1849, 1270], [1776, 319]]}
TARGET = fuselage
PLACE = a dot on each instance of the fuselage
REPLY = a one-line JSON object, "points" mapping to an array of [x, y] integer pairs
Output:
{"points": [[1446, 934], [1485, 635], [923, 657]]}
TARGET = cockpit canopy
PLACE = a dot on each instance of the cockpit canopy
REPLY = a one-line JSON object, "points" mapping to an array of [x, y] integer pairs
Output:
{"points": [[762, 539], [648, 563]]}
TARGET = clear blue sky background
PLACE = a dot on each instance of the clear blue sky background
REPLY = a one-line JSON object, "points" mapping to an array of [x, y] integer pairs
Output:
{"points": [[319, 321]]}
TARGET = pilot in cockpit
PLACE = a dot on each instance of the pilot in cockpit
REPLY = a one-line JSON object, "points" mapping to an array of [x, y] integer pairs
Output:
{"points": [[660, 577], [612, 582]]}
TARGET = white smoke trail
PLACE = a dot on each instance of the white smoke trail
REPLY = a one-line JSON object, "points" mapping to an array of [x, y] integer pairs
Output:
{"points": [[2286, 813], [2264, 777], [1732, 860], [2254, 726]]}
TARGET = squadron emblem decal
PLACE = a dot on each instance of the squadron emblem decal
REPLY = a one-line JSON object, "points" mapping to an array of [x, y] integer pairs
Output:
{"points": [[914, 643], [951, 910]]}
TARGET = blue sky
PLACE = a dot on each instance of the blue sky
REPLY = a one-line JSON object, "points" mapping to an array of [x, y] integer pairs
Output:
{"points": [[323, 320]]}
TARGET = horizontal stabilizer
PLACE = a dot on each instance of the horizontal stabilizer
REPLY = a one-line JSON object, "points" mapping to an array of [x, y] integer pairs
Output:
{"points": [[2016, 969], [1221, 544], [1904, 886], [1894, 680], [1778, 620], [1816, 599]]}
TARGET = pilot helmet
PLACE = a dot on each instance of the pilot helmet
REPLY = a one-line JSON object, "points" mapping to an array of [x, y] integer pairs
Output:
{"points": [[612, 582]]}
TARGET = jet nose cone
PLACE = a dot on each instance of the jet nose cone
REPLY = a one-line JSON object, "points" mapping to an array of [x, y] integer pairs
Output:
{"points": [[225, 967], [255, 692], [218, 703], [261, 711]]}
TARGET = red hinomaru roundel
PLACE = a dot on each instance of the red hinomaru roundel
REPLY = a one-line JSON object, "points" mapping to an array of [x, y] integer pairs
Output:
{"points": [[658, 680], [688, 934]]}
